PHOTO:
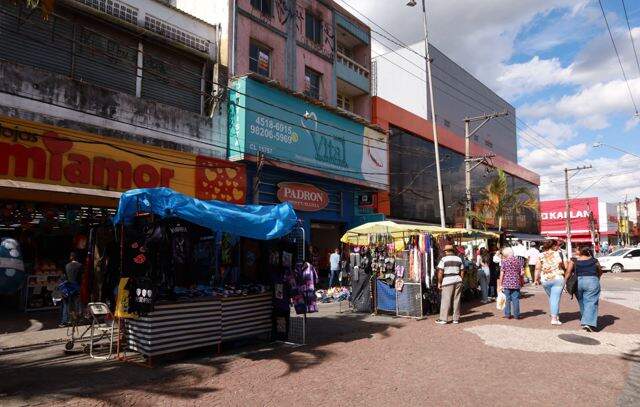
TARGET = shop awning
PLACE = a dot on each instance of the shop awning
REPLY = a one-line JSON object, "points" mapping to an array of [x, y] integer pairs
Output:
{"points": [[253, 221], [59, 194], [526, 236], [360, 235]]}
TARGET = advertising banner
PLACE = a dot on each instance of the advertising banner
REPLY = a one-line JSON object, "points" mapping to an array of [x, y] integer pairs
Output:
{"points": [[553, 215], [263, 119], [40, 153]]}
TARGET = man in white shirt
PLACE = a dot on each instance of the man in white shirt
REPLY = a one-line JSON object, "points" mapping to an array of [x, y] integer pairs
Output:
{"points": [[533, 254], [334, 263], [450, 275]]}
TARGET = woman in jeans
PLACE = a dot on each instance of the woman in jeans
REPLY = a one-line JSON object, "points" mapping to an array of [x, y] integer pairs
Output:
{"points": [[509, 282], [588, 271], [550, 272], [484, 273]]}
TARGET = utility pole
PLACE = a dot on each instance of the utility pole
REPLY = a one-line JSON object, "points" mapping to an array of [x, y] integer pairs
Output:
{"points": [[467, 158], [430, 97], [568, 204]]}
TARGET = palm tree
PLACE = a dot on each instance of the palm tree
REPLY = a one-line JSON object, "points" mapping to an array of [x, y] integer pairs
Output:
{"points": [[497, 201]]}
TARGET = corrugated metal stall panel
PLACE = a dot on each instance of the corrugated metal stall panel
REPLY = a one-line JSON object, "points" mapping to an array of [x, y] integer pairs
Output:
{"points": [[26, 39], [106, 58], [171, 80]]}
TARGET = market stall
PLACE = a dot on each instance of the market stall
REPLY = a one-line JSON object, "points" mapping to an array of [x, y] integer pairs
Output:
{"points": [[197, 273], [398, 263]]}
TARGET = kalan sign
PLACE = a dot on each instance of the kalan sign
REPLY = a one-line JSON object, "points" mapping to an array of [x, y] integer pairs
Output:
{"points": [[553, 215]]}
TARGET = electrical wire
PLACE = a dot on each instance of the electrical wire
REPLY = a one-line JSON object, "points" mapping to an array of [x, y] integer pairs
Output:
{"points": [[633, 43], [624, 75]]}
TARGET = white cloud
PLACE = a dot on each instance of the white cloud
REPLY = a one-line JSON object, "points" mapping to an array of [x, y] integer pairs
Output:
{"points": [[556, 133], [531, 76]]}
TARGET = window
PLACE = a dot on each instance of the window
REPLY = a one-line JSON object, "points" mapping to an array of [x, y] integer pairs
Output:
{"points": [[263, 5], [313, 27], [312, 83], [344, 102], [259, 57], [345, 50], [634, 253], [447, 123]]}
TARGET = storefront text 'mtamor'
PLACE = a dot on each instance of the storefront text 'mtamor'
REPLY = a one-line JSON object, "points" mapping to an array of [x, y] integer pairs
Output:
{"points": [[57, 162]]}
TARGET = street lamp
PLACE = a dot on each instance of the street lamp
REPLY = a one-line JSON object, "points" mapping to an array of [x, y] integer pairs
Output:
{"points": [[412, 3]]}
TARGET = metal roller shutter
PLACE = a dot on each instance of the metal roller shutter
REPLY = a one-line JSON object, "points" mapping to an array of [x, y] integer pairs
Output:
{"points": [[27, 39], [171, 80], [106, 58]]}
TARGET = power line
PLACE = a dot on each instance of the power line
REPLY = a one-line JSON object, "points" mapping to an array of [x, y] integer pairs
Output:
{"points": [[633, 43], [624, 75]]}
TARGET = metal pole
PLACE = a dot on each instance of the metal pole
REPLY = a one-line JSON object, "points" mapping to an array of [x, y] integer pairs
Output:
{"points": [[567, 211], [467, 176], [433, 116]]}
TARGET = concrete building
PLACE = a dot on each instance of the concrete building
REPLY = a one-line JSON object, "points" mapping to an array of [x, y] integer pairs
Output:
{"points": [[308, 46], [96, 98], [458, 94]]}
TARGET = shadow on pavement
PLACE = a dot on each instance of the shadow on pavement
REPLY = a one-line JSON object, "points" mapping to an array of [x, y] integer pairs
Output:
{"points": [[603, 320], [18, 321], [53, 376]]}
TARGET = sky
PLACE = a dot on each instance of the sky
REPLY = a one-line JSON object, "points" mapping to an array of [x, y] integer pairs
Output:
{"points": [[553, 60]]}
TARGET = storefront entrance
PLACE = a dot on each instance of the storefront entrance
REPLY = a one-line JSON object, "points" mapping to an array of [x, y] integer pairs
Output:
{"points": [[325, 237]]}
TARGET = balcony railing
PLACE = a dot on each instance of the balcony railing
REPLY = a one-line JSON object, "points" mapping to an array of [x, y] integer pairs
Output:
{"points": [[353, 65]]}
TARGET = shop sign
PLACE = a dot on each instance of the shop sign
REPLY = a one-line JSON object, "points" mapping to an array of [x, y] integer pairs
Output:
{"points": [[288, 129], [553, 214], [44, 154], [303, 197]]}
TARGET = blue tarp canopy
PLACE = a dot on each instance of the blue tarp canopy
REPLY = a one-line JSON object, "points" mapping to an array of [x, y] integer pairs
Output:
{"points": [[261, 222]]}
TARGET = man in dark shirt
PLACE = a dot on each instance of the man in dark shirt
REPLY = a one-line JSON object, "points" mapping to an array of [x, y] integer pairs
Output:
{"points": [[73, 272]]}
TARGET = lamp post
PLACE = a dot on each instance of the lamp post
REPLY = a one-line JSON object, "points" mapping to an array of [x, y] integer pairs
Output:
{"points": [[412, 3]]}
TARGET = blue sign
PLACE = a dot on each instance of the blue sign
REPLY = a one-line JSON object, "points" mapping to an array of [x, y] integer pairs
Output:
{"points": [[263, 119]]}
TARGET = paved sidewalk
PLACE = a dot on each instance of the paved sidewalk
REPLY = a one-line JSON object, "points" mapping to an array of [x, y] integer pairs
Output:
{"points": [[364, 360]]}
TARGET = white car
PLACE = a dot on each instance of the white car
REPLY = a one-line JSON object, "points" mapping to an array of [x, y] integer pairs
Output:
{"points": [[621, 260]]}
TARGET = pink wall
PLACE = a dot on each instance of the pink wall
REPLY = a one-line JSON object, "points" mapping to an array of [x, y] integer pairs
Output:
{"points": [[248, 30], [313, 61], [362, 106]]}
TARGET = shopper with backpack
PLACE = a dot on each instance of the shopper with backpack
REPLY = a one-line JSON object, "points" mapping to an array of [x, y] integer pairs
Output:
{"points": [[588, 271], [550, 272]]}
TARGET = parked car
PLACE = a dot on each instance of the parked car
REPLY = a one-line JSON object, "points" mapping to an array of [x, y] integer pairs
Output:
{"points": [[621, 260]]}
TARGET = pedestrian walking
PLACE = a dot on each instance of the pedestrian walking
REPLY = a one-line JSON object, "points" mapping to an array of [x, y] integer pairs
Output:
{"points": [[532, 259], [334, 266], [550, 272], [484, 273], [510, 282], [450, 275], [588, 271], [494, 272]]}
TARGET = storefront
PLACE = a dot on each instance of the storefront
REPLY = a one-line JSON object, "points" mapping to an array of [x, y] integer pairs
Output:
{"points": [[56, 183], [328, 164], [592, 221]]}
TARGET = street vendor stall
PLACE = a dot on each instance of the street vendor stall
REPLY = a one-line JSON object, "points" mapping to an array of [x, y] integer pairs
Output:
{"points": [[196, 273], [393, 265]]}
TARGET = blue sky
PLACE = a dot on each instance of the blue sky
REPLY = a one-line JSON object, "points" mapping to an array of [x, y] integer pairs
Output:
{"points": [[554, 61]]}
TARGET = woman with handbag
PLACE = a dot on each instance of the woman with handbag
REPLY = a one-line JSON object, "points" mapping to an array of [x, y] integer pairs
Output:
{"points": [[588, 271], [550, 272]]}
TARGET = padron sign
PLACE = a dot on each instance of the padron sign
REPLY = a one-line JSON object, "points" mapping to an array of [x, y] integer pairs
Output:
{"points": [[303, 197]]}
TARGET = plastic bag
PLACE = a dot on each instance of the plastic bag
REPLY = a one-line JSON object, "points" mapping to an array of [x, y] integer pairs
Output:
{"points": [[501, 301]]}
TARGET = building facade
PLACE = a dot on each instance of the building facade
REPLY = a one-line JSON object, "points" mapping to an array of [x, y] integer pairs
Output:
{"points": [[98, 98], [413, 186], [313, 47], [458, 94]]}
